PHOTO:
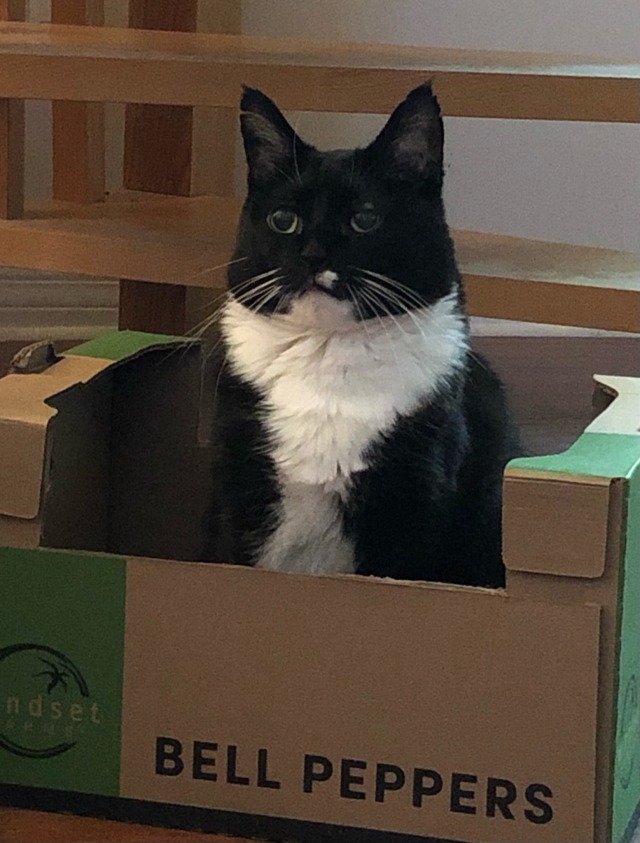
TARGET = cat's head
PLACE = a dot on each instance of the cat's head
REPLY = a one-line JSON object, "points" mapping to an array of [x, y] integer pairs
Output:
{"points": [[364, 227]]}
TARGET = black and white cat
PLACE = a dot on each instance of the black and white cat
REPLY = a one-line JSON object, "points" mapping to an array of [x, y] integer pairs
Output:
{"points": [[358, 434]]}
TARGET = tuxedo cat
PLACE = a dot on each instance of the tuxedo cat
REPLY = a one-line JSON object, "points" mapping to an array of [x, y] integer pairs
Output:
{"points": [[357, 432]]}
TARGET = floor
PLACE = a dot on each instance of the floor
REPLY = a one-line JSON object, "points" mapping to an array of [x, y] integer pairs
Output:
{"points": [[549, 383]]}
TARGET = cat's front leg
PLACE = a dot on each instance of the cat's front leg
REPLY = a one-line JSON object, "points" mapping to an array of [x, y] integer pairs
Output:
{"points": [[398, 531]]}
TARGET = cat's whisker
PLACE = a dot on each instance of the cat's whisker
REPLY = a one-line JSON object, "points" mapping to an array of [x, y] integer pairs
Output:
{"points": [[251, 291], [211, 269], [390, 295], [207, 305], [264, 299], [383, 306], [247, 295], [295, 149], [392, 282], [258, 277], [266, 295], [394, 299], [405, 304], [363, 321], [226, 294], [199, 330], [203, 326], [284, 301], [286, 175], [373, 303], [412, 301]]}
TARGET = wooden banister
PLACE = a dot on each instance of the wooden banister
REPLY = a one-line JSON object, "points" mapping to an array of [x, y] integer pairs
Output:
{"points": [[119, 65]]}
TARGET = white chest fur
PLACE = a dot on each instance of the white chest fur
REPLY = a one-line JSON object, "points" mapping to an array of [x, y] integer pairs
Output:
{"points": [[331, 386]]}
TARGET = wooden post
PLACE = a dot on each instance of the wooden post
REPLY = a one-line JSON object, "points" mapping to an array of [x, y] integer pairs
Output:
{"points": [[157, 158], [11, 136], [159, 155], [78, 127], [213, 164]]}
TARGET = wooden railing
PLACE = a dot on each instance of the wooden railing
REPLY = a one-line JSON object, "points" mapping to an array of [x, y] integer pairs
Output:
{"points": [[167, 244]]}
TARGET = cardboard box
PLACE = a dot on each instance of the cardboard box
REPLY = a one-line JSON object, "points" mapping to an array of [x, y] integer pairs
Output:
{"points": [[293, 707]]}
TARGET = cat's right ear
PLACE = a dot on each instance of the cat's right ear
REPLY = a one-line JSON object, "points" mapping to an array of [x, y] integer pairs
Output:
{"points": [[410, 146], [271, 146]]}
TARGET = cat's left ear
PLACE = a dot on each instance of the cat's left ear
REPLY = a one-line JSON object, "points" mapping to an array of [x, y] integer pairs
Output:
{"points": [[272, 147], [411, 145]]}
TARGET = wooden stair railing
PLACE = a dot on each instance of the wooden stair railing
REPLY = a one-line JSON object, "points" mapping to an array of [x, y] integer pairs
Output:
{"points": [[165, 244]]}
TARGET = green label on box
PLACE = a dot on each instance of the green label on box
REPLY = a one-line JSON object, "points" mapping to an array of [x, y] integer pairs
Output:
{"points": [[61, 660], [626, 786]]}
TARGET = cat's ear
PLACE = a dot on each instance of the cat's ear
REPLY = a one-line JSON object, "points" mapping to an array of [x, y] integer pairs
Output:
{"points": [[271, 146], [411, 145]]}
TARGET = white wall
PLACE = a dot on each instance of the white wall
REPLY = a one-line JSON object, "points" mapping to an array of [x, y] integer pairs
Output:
{"points": [[558, 181]]}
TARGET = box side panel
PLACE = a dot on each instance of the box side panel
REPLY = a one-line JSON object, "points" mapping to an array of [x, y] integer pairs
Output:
{"points": [[77, 477], [603, 591], [61, 651], [459, 714], [626, 786], [161, 477], [21, 465]]}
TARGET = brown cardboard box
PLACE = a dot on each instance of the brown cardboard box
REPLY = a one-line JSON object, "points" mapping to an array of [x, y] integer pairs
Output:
{"points": [[294, 707]]}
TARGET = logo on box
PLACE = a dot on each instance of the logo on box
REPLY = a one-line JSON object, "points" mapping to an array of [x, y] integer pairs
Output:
{"points": [[47, 704]]}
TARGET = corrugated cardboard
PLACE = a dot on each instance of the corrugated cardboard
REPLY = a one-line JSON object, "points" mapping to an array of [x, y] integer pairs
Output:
{"points": [[302, 708]]}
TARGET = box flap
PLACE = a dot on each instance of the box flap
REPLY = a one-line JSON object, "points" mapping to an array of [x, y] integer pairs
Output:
{"points": [[24, 418], [622, 412], [556, 507], [556, 526], [117, 346], [25, 412]]}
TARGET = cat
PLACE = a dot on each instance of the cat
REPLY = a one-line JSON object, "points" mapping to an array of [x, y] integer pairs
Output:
{"points": [[357, 431]]}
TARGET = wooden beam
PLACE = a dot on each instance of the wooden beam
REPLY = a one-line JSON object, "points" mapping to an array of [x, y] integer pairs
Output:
{"points": [[78, 127], [178, 241], [11, 135], [39, 61]]}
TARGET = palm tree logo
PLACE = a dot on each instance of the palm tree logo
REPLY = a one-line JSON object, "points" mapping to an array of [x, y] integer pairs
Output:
{"points": [[19, 661], [57, 676]]}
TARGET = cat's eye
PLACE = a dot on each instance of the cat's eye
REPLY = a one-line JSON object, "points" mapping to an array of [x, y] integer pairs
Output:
{"points": [[284, 221], [365, 221]]}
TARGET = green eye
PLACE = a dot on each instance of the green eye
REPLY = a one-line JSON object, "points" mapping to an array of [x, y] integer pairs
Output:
{"points": [[365, 221], [283, 221]]}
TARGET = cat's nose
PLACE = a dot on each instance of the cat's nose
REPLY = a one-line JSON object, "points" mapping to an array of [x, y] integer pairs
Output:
{"points": [[314, 253]]}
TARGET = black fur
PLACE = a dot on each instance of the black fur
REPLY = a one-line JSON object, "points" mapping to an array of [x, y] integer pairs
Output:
{"points": [[429, 504]]}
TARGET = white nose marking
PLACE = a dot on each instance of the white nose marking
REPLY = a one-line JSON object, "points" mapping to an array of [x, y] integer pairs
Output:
{"points": [[326, 279]]}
